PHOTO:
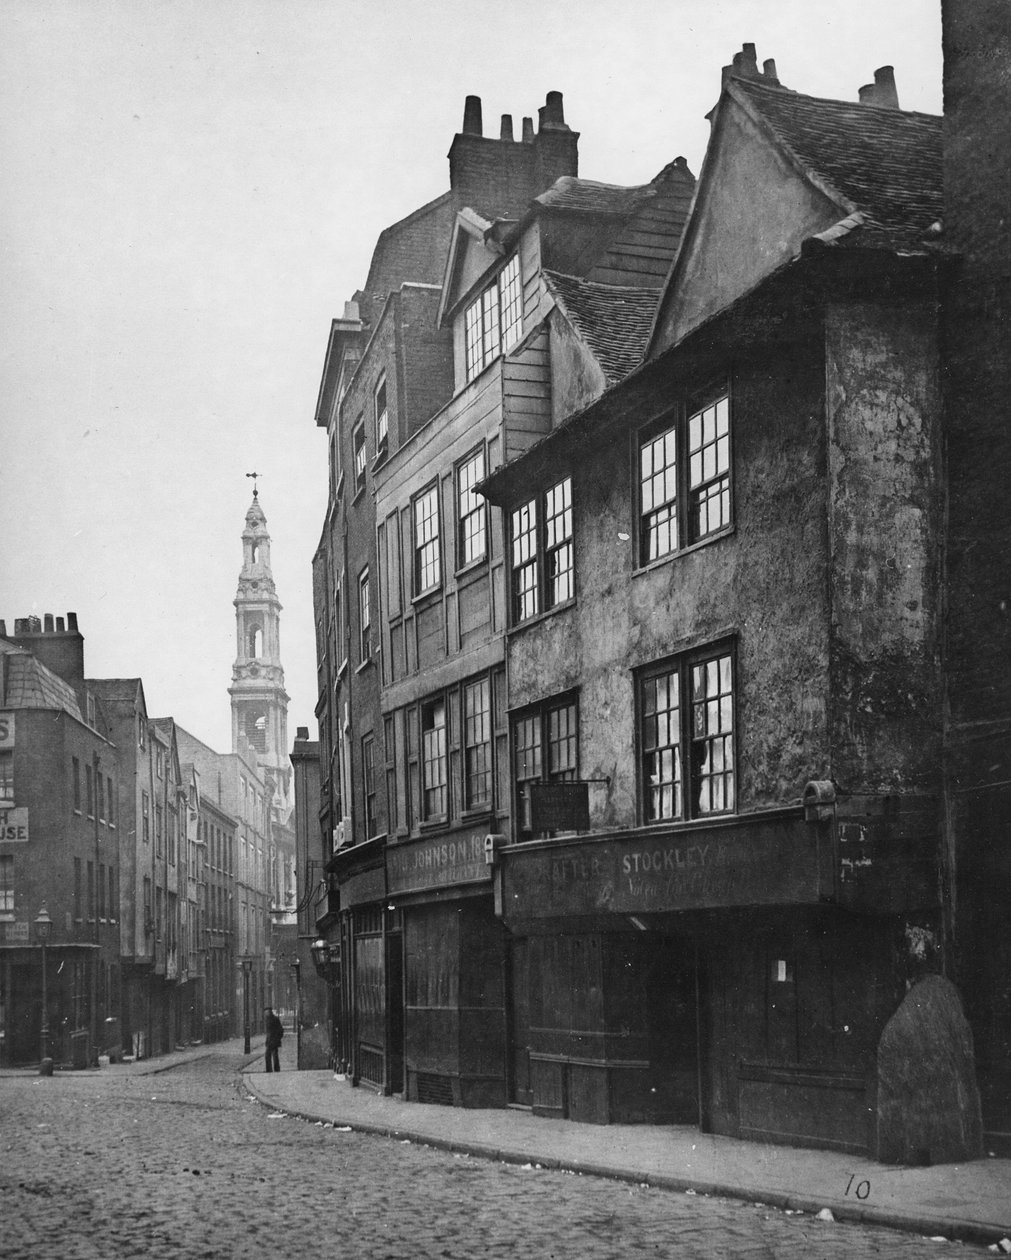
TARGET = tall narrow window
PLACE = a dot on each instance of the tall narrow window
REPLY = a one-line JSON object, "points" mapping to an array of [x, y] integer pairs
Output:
{"points": [[542, 556], [358, 441], [433, 757], [658, 496], [89, 790], [511, 301], [7, 775], [477, 744], [545, 750], [661, 745], [709, 469], [110, 804], [472, 529], [6, 883], [686, 737], [558, 543], [77, 889], [100, 788], [369, 785], [91, 892], [382, 417], [364, 618], [101, 890], [426, 540], [525, 584], [685, 479], [145, 813], [76, 774]]}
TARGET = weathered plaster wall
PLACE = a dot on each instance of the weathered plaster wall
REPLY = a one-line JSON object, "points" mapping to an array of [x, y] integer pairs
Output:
{"points": [[764, 583], [884, 522], [576, 377], [729, 247]]}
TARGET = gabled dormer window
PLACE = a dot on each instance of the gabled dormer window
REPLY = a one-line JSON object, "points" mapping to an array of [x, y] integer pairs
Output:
{"points": [[493, 323]]}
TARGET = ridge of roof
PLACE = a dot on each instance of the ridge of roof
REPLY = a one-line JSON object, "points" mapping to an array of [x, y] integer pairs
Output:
{"points": [[569, 192], [614, 320]]}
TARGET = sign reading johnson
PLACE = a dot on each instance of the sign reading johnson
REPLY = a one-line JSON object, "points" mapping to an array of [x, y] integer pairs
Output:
{"points": [[762, 862], [437, 863]]}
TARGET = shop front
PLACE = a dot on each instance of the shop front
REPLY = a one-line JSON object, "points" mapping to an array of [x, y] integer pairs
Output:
{"points": [[735, 975], [454, 951]]}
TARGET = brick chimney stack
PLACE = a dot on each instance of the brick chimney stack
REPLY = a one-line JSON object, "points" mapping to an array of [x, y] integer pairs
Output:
{"points": [[745, 66], [60, 650], [499, 177]]}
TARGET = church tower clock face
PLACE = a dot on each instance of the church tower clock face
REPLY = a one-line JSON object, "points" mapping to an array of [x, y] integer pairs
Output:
{"points": [[259, 700]]}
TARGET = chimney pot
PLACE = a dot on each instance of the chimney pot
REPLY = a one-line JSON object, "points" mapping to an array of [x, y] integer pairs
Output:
{"points": [[20, 626], [554, 114], [472, 125], [506, 132], [60, 625], [302, 732], [48, 623], [746, 62], [34, 624], [3, 629], [769, 69], [72, 622], [528, 131], [884, 81]]}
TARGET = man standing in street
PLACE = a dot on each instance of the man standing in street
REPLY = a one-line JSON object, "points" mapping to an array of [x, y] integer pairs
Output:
{"points": [[275, 1031]]}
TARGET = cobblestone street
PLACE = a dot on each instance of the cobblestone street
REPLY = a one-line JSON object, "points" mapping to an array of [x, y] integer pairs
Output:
{"points": [[184, 1163]]}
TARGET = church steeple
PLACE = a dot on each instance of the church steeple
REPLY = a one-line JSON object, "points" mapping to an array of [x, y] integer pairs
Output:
{"points": [[259, 700]]}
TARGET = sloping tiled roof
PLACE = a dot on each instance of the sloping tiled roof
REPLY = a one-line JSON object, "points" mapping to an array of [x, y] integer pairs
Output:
{"points": [[571, 193], [114, 688], [885, 162], [30, 685], [613, 320]]}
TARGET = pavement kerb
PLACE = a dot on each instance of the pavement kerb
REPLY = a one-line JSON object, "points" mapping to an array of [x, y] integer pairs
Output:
{"points": [[909, 1223]]}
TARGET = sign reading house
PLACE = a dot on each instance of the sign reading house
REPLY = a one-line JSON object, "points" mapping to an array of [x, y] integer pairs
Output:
{"points": [[439, 862]]}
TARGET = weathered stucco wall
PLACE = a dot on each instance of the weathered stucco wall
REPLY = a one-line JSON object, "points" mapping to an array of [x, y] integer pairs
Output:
{"points": [[884, 522], [764, 584], [729, 247]]}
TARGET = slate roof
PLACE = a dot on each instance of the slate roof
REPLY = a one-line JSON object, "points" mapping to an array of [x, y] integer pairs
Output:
{"points": [[885, 163], [30, 685], [613, 320]]}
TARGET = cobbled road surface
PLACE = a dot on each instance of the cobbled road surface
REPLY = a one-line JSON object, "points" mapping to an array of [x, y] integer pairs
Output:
{"points": [[184, 1164]]}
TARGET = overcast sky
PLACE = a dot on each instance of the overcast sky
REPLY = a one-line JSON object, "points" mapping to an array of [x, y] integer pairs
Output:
{"points": [[192, 188]]}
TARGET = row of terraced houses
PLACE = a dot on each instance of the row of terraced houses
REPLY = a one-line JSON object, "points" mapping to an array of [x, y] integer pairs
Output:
{"points": [[661, 621], [147, 882]]}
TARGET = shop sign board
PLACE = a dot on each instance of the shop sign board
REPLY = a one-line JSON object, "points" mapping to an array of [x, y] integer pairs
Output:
{"points": [[6, 730], [781, 862], [440, 862], [15, 933], [14, 825]]}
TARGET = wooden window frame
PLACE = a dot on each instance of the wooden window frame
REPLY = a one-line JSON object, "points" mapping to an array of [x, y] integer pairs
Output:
{"points": [[471, 511], [697, 785], [426, 541], [684, 465], [540, 725], [382, 416], [542, 553], [493, 320], [360, 451], [364, 618]]}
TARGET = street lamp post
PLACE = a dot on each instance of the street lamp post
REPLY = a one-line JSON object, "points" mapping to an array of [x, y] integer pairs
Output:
{"points": [[43, 927], [296, 967], [247, 968]]}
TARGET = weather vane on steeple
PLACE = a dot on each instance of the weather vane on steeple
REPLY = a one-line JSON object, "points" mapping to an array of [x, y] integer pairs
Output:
{"points": [[254, 476]]}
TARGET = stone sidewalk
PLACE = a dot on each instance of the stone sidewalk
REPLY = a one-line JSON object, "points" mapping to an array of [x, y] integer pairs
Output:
{"points": [[968, 1201]]}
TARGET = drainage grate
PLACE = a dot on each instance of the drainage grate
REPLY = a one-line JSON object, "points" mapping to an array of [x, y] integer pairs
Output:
{"points": [[435, 1089]]}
